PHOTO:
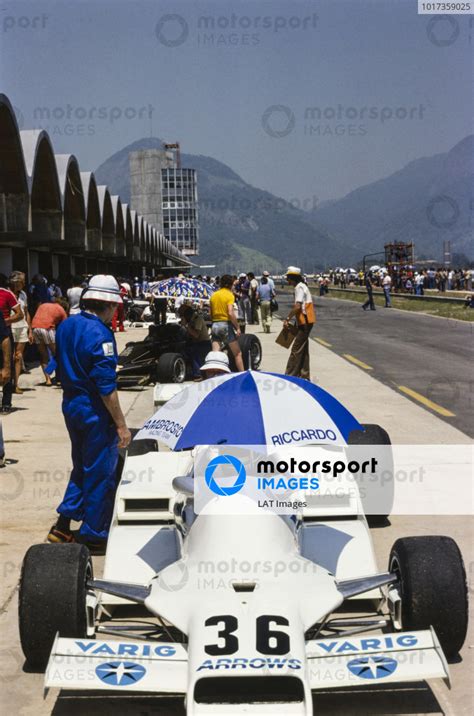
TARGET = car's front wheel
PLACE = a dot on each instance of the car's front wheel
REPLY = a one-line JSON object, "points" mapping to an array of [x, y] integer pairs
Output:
{"points": [[433, 589], [52, 598]]}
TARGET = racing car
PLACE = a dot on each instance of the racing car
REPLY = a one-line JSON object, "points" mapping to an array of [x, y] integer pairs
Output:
{"points": [[238, 613], [161, 357]]}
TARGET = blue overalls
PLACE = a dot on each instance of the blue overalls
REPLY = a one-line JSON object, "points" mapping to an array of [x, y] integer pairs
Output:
{"points": [[86, 354]]}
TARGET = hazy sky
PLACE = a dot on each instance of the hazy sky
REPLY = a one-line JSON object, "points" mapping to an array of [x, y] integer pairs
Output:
{"points": [[306, 99]]}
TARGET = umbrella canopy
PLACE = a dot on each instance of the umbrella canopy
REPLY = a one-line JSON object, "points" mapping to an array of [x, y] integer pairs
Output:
{"points": [[186, 287], [376, 267], [250, 408]]}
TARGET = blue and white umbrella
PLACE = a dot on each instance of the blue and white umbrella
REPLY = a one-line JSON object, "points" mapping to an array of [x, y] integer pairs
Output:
{"points": [[250, 408], [186, 287]]}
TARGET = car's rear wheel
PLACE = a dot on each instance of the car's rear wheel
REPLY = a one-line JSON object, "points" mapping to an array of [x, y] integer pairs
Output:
{"points": [[433, 588], [251, 352], [52, 598], [171, 368]]}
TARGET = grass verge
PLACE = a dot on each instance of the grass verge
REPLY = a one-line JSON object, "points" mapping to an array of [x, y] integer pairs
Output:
{"points": [[438, 308]]}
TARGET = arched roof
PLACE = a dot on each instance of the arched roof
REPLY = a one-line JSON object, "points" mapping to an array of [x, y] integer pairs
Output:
{"points": [[106, 211], [135, 228], [91, 199], [13, 178], [46, 204], [51, 197], [119, 225]]}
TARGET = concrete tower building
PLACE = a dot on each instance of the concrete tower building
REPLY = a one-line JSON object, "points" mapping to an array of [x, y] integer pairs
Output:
{"points": [[165, 194]]}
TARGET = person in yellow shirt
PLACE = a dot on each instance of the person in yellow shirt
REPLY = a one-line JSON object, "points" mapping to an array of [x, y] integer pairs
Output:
{"points": [[225, 327]]}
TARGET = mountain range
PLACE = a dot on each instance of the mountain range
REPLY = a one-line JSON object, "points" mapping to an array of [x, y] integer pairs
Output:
{"points": [[241, 226]]}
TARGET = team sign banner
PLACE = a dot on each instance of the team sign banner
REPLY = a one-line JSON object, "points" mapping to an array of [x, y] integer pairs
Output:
{"points": [[334, 480]]}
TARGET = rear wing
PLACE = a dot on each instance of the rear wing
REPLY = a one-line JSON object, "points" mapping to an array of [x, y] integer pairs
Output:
{"points": [[93, 665], [385, 658]]}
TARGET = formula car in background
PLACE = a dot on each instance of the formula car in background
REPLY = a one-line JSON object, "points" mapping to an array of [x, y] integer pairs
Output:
{"points": [[161, 357], [167, 618]]}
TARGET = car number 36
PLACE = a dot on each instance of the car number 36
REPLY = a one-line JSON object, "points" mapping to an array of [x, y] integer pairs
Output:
{"points": [[267, 639]]}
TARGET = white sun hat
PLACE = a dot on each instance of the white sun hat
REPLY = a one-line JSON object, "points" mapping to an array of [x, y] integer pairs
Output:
{"points": [[293, 271], [103, 288], [216, 360]]}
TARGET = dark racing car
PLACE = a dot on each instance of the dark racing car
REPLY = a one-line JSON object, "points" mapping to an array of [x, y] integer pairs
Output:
{"points": [[162, 357]]}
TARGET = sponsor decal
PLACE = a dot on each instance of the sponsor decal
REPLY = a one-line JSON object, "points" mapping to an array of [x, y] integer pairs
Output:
{"points": [[94, 648], [108, 349], [378, 644], [296, 436], [163, 427], [221, 490], [257, 662], [120, 673], [372, 667]]}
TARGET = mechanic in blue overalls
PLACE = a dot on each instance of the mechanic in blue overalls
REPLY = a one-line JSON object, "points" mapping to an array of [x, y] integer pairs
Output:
{"points": [[86, 355]]}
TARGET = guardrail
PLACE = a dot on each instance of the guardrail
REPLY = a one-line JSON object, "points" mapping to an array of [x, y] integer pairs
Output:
{"points": [[393, 294]]}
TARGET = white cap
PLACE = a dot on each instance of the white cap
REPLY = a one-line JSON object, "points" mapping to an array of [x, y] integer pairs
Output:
{"points": [[293, 271], [103, 288], [216, 360], [265, 273], [242, 275]]}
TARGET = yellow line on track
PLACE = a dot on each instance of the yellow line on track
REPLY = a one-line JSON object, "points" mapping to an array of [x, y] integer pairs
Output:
{"points": [[357, 362], [426, 401], [323, 342]]}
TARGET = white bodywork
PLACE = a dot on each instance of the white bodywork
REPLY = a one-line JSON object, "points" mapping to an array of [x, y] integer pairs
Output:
{"points": [[244, 590], [162, 392]]}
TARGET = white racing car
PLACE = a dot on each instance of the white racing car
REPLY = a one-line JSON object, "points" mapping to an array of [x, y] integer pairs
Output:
{"points": [[238, 614]]}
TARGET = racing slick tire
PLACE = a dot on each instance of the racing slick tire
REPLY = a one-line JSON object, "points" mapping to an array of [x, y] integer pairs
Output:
{"points": [[52, 598], [433, 588], [377, 495], [251, 352], [171, 368]]}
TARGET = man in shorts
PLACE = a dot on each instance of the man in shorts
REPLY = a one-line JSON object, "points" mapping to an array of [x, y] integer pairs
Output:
{"points": [[47, 318], [225, 327]]}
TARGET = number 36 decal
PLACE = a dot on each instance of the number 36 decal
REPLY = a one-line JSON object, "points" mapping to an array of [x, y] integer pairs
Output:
{"points": [[268, 639]]}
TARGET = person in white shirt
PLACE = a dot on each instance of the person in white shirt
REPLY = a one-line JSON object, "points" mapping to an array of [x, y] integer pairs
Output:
{"points": [[303, 311], [450, 280], [419, 284], [74, 296], [21, 330], [387, 285], [270, 280]]}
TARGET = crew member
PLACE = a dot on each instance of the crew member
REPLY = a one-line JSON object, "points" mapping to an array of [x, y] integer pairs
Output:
{"points": [[216, 363], [199, 343], [303, 310], [86, 354], [225, 330]]}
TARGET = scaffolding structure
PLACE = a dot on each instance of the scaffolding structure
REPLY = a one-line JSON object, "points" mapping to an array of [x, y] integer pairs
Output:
{"points": [[399, 255]]}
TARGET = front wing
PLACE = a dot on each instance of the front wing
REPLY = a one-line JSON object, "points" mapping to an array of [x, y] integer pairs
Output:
{"points": [[158, 667], [91, 665], [379, 659]]}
